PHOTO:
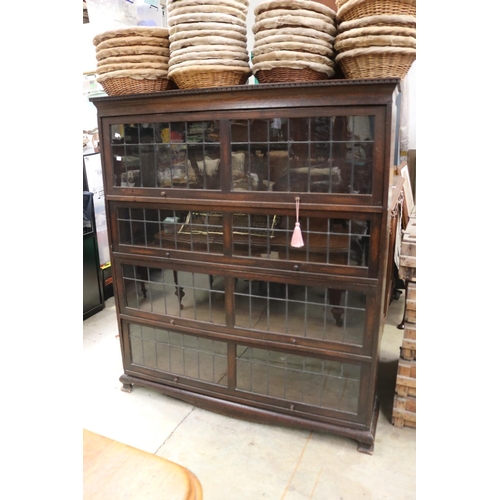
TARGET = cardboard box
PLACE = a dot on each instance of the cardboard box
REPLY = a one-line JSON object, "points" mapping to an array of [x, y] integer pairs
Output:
{"points": [[107, 280], [329, 3]]}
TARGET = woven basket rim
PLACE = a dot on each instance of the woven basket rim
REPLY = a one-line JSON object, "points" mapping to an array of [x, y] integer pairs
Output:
{"points": [[280, 38], [206, 55], [207, 63], [375, 51], [195, 49], [292, 46], [132, 59], [128, 41], [295, 4], [386, 20], [206, 40], [130, 31], [376, 41], [107, 68], [297, 22], [130, 50], [300, 64], [350, 4], [238, 12], [377, 30], [184, 28], [209, 68], [181, 3], [309, 13], [136, 74], [206, 17], [292, 55], [314, 34]]}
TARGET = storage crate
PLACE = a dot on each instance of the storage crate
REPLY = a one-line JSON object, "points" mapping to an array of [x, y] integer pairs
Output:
{"points": [[409, 348], [404, 413], [406, 378], [411, 303]]}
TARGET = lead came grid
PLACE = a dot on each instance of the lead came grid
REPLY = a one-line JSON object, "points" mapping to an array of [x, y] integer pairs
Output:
{"points": [[175, 293], [186, 355], [327, 241], [316, 155], [320, 154], [169, 229], [300, 379], [166, 154], [304, 311]]}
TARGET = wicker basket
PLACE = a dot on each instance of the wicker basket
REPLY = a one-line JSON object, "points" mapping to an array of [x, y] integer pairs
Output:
{"points": [[375, 41], [284, 75], [127, 85], [356, 9], [376, 62], [206, 76]]}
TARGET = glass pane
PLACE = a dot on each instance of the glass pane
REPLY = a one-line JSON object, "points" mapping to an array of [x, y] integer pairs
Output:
{"points": [[311, 381], [179, 354], [175, 293], [169, 229], [181, 155], [320, 313], [308, 154], [342, 242]]}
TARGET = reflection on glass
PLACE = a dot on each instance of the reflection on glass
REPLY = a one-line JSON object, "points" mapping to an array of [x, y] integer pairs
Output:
{"points": [[175, 293], [316, 155], [319, 313], [180, 354], [336, 241], [166, 155], [342, 242], [293, 378]]}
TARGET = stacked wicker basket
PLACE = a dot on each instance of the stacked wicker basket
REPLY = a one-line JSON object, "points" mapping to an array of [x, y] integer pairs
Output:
{"points": [[133, 60], [377, 38], [208, 43], [293, 41]]}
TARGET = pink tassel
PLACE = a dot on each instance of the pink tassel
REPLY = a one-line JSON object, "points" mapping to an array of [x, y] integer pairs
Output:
{"points": [[297, 241]]}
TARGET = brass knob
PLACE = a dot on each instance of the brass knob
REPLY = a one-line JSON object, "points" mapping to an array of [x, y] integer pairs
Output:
{"points": [[163, 193]]}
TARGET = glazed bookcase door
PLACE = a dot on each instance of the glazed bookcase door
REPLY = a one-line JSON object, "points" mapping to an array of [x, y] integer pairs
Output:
{"points": [[302, 312], [214, 305], [283, 380], [282, 152], [341, 242]]}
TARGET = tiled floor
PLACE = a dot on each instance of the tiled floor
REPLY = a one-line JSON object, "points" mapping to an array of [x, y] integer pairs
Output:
{"points": [[239, 460]]}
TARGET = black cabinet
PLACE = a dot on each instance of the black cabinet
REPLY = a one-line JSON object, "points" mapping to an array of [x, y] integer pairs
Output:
{"points": [[93, 297]]}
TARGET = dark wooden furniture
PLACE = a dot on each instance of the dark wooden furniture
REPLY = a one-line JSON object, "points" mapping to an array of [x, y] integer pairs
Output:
{"points": [[93, 296], [214, 305]]}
